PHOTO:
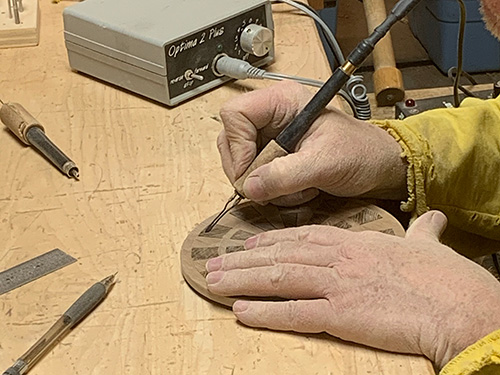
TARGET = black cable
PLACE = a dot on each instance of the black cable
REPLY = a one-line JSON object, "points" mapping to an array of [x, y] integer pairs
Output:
{"points": [[361, 109], [460, 51], [452, 75]]}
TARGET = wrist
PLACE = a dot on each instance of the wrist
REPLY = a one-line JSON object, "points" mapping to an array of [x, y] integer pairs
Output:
{"points": [[465, 335], [391, 170]]}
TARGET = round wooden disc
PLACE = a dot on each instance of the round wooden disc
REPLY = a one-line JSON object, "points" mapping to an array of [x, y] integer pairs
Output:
{"points": [[248, 219]]}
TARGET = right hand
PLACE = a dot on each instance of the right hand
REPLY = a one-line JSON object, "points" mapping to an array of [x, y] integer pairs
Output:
{"points": [[406, 295], [339, 154]]}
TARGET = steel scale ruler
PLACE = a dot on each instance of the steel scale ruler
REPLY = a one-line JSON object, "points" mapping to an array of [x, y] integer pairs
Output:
{"points": [[33, 269]]}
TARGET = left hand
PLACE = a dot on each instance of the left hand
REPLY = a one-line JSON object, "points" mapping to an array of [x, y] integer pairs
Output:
{"points": [[409, 295]]}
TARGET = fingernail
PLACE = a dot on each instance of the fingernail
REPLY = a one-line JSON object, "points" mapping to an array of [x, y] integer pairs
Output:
{"points": [[214, 277], [240, 306], [253, 188], [251, 243], [214, 264]]}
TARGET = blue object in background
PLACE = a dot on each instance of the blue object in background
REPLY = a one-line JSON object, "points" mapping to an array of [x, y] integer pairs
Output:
{"points": [[435, 23], [329, 16]]}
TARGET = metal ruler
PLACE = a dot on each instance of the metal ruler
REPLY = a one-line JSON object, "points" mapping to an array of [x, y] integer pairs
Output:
{"points": [[33, 269]]}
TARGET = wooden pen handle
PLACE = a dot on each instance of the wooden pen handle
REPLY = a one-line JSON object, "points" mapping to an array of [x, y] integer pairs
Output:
{"points": [[18, 120], [387, 79], [272, 151]]}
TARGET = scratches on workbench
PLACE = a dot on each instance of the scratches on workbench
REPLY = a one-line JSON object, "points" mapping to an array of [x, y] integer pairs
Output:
{"points": [[42, 210], [152, 304], [98, 181]]}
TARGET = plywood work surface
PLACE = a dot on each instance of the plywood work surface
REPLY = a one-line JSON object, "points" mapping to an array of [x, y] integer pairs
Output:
{"points": [[149, 175]]}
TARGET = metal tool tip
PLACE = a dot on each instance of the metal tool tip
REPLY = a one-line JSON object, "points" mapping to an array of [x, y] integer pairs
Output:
{"points": [[74, 173], [108, 281], [235, 199], [110, 278]]}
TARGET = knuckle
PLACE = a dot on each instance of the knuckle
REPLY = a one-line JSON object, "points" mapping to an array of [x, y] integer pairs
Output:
{"points": [[228, 110], [295, 316], [275, 254], [278, 275], [280, 168], [221, 140], [292, 315], [304, 233]]}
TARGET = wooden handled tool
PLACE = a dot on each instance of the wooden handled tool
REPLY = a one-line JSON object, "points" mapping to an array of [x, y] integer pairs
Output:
{"points": [[387, 79], [30, 132], [272, 151]]}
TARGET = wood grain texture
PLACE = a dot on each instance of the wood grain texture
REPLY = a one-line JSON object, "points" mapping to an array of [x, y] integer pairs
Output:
{"points": [[149, 175]]}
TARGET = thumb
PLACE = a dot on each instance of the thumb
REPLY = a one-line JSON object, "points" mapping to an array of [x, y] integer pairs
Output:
{"points": [[430, 225], [282, 176]]}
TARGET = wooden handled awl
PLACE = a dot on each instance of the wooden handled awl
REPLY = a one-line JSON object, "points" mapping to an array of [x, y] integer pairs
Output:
{"points": [[387, 79]]}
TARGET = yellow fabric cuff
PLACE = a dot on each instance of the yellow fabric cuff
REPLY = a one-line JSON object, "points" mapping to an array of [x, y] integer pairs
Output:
{"points": [[417, 153], [453, 157], [481, 358]]}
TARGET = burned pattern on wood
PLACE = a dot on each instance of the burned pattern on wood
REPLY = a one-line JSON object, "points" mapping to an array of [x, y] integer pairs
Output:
{"points": [[218, 231], [241, 235], [365, 216], [342, 224], [388, 231], [234, 249], [290, 220], [203, 253], [245, 213], [248, 219]]}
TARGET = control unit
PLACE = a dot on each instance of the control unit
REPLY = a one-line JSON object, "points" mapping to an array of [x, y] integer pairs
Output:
{"points": [[166, 49]]}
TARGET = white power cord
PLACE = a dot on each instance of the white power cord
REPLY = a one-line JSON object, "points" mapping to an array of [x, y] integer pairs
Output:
{"points": [[240, 69]]}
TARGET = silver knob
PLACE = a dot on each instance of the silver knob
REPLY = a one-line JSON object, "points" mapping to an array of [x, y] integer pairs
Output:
{"points": [[256, 39]]}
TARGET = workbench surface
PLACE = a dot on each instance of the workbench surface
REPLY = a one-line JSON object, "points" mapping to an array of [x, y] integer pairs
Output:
{"points": [[149, 174]]}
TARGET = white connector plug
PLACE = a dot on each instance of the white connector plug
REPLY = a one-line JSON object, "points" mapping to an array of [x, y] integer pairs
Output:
{"points": [[236, 68]]}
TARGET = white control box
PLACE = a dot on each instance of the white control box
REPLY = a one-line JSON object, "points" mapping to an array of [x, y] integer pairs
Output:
{"points": [[164, 49]]}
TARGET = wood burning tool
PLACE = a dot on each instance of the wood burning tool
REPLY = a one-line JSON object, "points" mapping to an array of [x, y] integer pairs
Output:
{"points": [[287, 140], [30, 132], [77, 311]]}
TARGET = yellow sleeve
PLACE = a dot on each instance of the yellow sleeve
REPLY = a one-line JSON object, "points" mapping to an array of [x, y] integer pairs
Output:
{"points": [[481, 358], [453, 159]]}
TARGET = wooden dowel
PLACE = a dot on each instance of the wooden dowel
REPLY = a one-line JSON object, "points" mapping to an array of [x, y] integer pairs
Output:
{"points": [[387, 79]]}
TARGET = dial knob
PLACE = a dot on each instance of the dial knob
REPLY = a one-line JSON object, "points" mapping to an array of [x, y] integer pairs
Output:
{"points": [[256, 39]]}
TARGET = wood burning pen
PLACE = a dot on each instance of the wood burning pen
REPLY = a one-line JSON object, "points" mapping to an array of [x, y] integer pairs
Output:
{"points": [[77, 311], [29, 131], [287, 140]]}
